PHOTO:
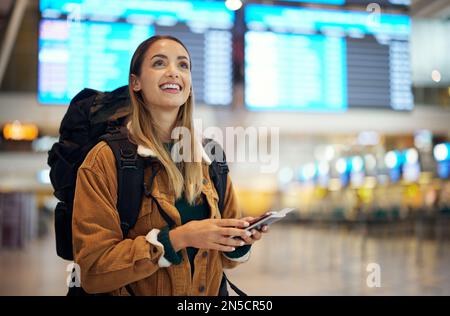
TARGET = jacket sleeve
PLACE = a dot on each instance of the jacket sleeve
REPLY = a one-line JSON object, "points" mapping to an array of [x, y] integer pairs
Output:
{"points": [[231, 210], [107, 261]]}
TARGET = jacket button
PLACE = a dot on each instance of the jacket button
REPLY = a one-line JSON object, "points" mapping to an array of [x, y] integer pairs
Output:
{"points": [[205, 254], [205, 181], [201, 288]]}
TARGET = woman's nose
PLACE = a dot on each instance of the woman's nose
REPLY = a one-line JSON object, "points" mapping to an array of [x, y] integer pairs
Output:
{"points": [[172, 72]]}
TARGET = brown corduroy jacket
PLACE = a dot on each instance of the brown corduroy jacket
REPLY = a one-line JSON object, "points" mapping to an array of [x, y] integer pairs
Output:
{"points": [[108, 262]]}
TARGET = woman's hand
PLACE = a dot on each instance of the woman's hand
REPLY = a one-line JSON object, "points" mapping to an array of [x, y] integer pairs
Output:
{"points": [[210, 234], [256, 234]]}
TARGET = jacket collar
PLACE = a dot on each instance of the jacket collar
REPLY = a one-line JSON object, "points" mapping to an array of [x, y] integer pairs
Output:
{"points": [[144, 151]]}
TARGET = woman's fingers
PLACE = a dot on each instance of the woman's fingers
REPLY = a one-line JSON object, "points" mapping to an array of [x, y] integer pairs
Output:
{"points": [[234, 242], [235, 232], [224, 248], [231, 222], [247, 219], [231, 228], [256, 234], [248, 240], [220, 247]]}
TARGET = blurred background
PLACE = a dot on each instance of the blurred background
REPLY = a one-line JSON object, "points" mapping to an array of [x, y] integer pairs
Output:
{"points": [[360, 93]]}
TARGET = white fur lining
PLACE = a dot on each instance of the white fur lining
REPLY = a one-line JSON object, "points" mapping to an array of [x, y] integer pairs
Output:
{"points": [[147, 152], [152, 238], [205, 156], [244, 258]]}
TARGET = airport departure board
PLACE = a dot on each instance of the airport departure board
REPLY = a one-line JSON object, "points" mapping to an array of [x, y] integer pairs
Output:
{"points": [[85, 43], [383, 3], [325, 60]]}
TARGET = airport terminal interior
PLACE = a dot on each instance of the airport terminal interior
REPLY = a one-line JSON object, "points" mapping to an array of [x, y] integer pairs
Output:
{"points": [[339, 109]]}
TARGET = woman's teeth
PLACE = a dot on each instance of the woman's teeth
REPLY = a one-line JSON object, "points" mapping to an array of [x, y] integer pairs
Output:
{"points": [[170, 86]]}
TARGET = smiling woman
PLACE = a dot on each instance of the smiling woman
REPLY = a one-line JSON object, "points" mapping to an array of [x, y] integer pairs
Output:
{"points": [[158, 64], [184, 222]]}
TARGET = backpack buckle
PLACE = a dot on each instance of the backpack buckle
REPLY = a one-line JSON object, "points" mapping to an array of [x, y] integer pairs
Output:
{"points": [[128, 163], [127, 159]]}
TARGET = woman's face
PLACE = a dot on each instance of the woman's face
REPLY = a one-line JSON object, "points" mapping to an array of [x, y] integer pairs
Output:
{"points": [[165, 79]]}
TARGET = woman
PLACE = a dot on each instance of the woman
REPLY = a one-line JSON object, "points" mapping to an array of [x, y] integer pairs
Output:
{"points": [[153, 259]]}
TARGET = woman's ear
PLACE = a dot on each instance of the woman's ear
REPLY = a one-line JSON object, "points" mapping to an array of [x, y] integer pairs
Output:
{"points": [[135, 83]]}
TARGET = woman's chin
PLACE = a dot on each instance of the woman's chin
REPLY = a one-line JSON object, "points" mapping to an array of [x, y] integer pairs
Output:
{"points": [[170, 105]]}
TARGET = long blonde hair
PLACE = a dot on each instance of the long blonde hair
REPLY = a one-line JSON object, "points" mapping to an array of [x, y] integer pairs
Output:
{"points": [[187, 176]]}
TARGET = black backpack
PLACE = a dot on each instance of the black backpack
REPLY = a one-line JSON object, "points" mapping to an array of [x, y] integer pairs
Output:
{"points": [[91, 117]]}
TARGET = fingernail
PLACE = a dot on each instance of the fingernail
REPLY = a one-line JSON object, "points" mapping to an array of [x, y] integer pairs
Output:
{"points": [[253, 231], [233, 249], [246, 224], [242, 243], [248, 233]]}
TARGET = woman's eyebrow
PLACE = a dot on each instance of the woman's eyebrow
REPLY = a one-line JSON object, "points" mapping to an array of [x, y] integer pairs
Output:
{"points": [[165, 57]]}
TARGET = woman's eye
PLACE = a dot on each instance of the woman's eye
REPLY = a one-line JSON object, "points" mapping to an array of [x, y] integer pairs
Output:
{"points": [[158, 63], [184, 65]]}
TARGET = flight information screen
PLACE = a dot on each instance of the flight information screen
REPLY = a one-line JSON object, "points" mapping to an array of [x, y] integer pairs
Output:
{"points": [[333, 2], [85, 43], [325, 60], [358, 2]]}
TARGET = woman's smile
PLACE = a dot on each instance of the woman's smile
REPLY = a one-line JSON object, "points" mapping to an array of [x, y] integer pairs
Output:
{"points": [[172, 88]]}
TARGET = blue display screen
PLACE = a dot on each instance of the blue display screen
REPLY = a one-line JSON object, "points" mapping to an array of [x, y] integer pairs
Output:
{"points": [[90, 44], [325, 60], [333, 2], [274, 80], [88, 54], [361, 2], [181, 11]]}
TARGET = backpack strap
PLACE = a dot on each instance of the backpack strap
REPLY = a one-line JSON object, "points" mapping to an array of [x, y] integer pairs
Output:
{"points": [[130, 176], [218, 170], [223, 291], [218, 173]]}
